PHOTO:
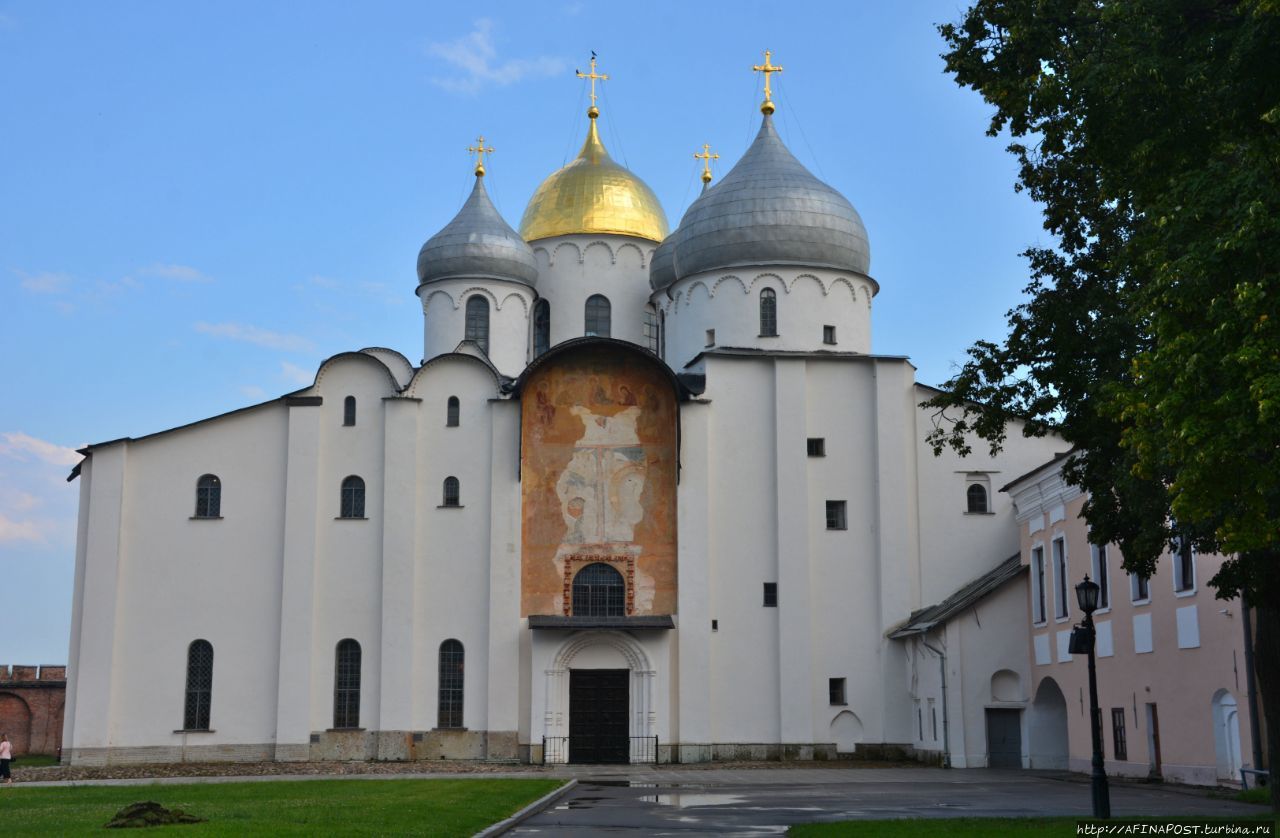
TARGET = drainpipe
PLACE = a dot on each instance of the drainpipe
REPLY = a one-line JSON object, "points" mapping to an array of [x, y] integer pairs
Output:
{"points": [[946, 726], [1251, 685]]}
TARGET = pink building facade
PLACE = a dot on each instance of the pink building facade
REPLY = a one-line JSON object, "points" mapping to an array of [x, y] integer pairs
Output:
{"points": [[1172, 679]]}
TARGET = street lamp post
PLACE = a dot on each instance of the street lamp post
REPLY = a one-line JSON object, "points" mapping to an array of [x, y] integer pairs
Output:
{"points": [[1085, 637]]}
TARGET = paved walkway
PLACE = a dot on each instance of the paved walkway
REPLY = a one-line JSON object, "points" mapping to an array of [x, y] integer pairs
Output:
{"points": [[750, 802], [692, 801]]}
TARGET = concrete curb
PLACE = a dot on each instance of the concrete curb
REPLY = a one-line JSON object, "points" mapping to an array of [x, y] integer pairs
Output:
{"points": [[527, 812]]}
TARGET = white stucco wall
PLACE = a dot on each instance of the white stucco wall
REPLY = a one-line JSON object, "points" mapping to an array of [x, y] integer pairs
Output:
{"points": [[752, 509], [960, 545], [444, 312], [729, 302], [572, 268], [178, 579]]}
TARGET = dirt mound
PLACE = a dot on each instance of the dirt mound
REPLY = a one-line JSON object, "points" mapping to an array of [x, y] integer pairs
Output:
{"points": [[149, 813]]}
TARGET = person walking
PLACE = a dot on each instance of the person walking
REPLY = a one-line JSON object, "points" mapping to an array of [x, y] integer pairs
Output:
{"points": [[6, 756]]}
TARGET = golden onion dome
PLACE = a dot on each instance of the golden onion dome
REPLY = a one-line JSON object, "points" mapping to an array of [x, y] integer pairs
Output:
{"points": [[593, 194]]}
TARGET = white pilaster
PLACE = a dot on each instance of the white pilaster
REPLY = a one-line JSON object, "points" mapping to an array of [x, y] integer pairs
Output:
{"points": [[505, 625], [897, 533], [399, 549], [795, 614], [691, 726], [97, 591], [295, 706]]}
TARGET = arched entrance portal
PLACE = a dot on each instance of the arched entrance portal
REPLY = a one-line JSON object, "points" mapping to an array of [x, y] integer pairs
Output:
{"points": [[1048, 727], [599, 700], [17, 720], [1226, 735]]}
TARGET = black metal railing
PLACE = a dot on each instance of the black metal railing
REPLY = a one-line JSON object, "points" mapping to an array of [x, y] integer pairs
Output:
{"points": [[555, 750], [642, 750]]}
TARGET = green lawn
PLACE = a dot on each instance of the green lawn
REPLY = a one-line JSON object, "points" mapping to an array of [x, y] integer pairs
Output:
{"points": [[961, 827], [1259, 795], [304, 807]]}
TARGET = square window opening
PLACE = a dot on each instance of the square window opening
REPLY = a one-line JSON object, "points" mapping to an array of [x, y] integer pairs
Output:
{"points": [[817, 446], [837, 515], [770, 594], [835, 686], [829, 335]]}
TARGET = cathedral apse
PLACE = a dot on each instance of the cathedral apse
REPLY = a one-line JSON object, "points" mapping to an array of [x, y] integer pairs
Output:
{"points": [[598, 478]]}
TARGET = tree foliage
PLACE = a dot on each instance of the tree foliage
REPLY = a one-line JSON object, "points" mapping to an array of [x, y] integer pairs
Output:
{"points": [[1149, 132]]}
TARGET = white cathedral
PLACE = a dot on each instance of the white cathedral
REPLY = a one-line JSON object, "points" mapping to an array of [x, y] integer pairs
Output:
{"points": [[649, 496]]}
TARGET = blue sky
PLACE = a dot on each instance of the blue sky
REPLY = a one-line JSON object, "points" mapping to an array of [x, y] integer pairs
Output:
{"points": [[200, 201]]}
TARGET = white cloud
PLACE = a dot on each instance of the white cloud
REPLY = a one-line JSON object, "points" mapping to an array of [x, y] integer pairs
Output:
{"points": [[20, 446], [11, 531], [475, 55], [296, 374], [36, 504], [253, 391], [19, 500], [179, 273], [256, 336], [45, 283]]}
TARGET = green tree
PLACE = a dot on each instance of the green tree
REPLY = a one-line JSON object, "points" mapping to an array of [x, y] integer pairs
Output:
{"points": [[1149, 131]]}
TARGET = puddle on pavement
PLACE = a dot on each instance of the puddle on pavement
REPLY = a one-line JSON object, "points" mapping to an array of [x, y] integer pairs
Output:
{"points": [[682, 800], [634, 784]]}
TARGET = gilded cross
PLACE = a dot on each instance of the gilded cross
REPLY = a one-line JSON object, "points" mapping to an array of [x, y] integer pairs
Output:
{"points": [[767, 68], [593, 112], [706, 157], [479, 150]]}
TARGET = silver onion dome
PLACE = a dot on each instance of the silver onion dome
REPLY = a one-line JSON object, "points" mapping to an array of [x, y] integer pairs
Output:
{"points": [[768, 210], [477, 243], [662, 269]]}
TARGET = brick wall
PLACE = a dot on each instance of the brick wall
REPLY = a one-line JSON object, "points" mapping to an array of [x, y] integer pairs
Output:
{"points": [[31, 704]]}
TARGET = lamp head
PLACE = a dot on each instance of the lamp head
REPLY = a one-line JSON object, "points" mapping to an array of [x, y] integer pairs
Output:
{"points": [[1087, 595]]}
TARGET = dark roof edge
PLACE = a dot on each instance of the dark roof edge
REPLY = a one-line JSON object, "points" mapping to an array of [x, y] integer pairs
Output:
{"points": [[1057, 458], [555, 621], [817, 354], [682, 392], [926, 619]]}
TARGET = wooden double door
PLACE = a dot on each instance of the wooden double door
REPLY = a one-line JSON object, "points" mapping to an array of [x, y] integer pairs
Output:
{"points": [[1004, 738], [599, 704]]}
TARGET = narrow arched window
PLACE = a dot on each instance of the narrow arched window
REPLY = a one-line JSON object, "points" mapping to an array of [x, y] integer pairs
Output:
{"points": [[349, 410], [452, 661], [352, 497], [977, 496], [662, 335], [598, 316], [599, 591], [651, 328], [541, 327], [346, 684], [768, 313], [208, 496], [452, 492], [199, 685], [478, 321], [451, 413]]}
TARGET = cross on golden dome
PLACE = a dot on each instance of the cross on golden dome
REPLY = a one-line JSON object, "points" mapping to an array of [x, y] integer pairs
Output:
{"points": [[479, 150], [767, 68], [592, 111], [706, 157]]}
